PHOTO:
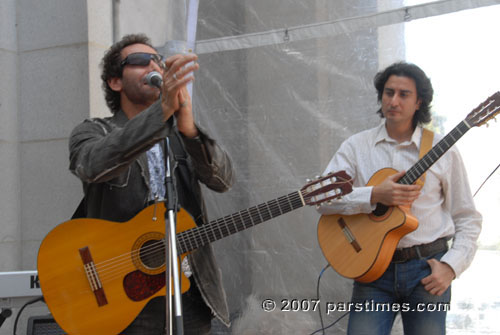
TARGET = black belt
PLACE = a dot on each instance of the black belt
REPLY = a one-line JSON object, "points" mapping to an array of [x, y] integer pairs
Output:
{"points": [[420, 251]]}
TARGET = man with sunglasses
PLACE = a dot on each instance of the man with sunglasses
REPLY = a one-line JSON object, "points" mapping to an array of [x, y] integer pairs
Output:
{"points": [[120, 161]]}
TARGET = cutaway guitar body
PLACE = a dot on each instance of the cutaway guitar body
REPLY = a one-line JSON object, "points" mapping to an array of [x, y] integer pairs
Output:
{"points": [[97, 272], [361, 246], [97, 275]]}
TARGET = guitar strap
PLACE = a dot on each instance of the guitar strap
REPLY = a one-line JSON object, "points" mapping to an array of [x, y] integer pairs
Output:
{"points": [[425, 146]]}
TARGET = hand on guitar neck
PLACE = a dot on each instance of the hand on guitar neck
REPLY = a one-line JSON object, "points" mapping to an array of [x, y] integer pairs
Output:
{"points": [[390, 193]]}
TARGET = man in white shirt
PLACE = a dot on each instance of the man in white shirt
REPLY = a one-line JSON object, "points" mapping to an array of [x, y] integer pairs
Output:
{"points": [[419, 277]]}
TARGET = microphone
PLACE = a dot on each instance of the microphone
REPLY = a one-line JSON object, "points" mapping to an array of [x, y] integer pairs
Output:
{"points": [[154, 78]]}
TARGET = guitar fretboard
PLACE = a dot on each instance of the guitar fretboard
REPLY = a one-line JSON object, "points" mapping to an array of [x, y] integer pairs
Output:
{"points": [[434, 154], [231, 224]]}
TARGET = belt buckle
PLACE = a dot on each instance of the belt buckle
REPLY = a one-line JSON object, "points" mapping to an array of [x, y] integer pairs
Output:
{"points": [[401, 258]]}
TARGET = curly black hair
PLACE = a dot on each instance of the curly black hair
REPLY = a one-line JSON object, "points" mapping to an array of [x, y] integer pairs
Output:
{"points": [[425, 91], [111, 67]]}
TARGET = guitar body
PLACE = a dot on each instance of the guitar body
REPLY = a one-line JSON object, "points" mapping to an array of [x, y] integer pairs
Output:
{"points": [[96, 276], [361, 246], [129, 263]]}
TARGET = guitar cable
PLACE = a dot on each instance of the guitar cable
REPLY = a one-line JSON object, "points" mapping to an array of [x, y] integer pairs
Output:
{"points": [[323, 328], [37, 299], [491, 174]]}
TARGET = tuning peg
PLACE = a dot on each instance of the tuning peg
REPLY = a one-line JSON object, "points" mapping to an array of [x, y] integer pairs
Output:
{"points": [[318, 206], [308, 180], [318, 177]]}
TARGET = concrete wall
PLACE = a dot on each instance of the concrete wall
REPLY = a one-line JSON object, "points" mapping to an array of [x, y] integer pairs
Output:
{"points": [[49, 54], [10, 237]]}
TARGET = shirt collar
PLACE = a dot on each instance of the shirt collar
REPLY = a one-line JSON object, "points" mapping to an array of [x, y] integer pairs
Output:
{"points": [[381, 135]]}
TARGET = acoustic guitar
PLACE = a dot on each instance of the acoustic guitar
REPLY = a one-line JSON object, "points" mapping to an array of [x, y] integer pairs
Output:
{"points": [[361, 246], [97, 275]]}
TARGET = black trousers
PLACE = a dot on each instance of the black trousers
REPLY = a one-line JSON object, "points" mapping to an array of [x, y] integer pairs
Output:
{"points": [[196, 315]]}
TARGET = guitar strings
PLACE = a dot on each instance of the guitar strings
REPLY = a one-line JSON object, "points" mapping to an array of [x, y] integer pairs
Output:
{"points": [[113, 268], [427, 161]]}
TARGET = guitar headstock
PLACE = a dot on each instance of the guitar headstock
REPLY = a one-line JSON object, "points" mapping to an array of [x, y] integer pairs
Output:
{"points": [[485, 111], [332, 186]]}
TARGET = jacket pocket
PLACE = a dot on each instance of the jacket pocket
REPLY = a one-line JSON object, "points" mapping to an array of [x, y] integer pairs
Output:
{"points": [[121, 180]]}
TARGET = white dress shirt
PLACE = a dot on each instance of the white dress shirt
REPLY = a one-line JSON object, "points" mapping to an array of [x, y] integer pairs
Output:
{"points": [[156, 165], [445, 207]]}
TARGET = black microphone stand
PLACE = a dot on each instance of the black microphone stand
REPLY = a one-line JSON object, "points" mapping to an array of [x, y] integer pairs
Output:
{"points": [[171, 259]]}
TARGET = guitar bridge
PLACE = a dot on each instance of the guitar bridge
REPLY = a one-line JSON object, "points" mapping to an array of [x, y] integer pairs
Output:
{"points": [[349, 235], [93, 276]]}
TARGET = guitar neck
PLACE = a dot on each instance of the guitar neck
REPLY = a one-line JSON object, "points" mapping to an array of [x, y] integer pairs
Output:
{"points": [[234, 223], [434, 154]]}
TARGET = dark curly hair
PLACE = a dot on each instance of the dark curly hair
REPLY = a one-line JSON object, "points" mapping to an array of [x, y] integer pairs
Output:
{"points": [[111, 67], [425, 91]]}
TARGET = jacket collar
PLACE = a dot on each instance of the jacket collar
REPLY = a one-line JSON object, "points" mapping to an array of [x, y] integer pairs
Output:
{"points": [[119, 118]]}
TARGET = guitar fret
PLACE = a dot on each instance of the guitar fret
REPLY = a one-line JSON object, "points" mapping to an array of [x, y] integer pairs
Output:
{"points": [[296, 203], [222, 224], [187, 244], [210, 233], [243, 219], [260, 213], [218, 228], [284, 204], [191, 236], [438, 147], [264, 215], [201, 236], [269, 210], [237, 222], [445, 141], [291, 205], [427, 161], [180, 242], [254, 213], [223, 227], [293, 202], [434, 154], [230, 224], [277, 206], [412, 175], [298, 199], [189, 241], [210, 228], [205, 228], [246, 219], [233, 219]]}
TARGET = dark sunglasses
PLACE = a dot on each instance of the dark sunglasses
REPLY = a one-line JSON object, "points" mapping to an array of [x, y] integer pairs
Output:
{"points": [[142, 59]]}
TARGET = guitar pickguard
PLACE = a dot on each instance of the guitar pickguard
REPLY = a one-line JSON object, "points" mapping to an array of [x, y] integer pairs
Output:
{"points": [[140, 286]]}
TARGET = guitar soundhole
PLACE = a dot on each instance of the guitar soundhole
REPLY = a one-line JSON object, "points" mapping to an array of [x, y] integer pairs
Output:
{"points": [[152, 254], [380, 210]]}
